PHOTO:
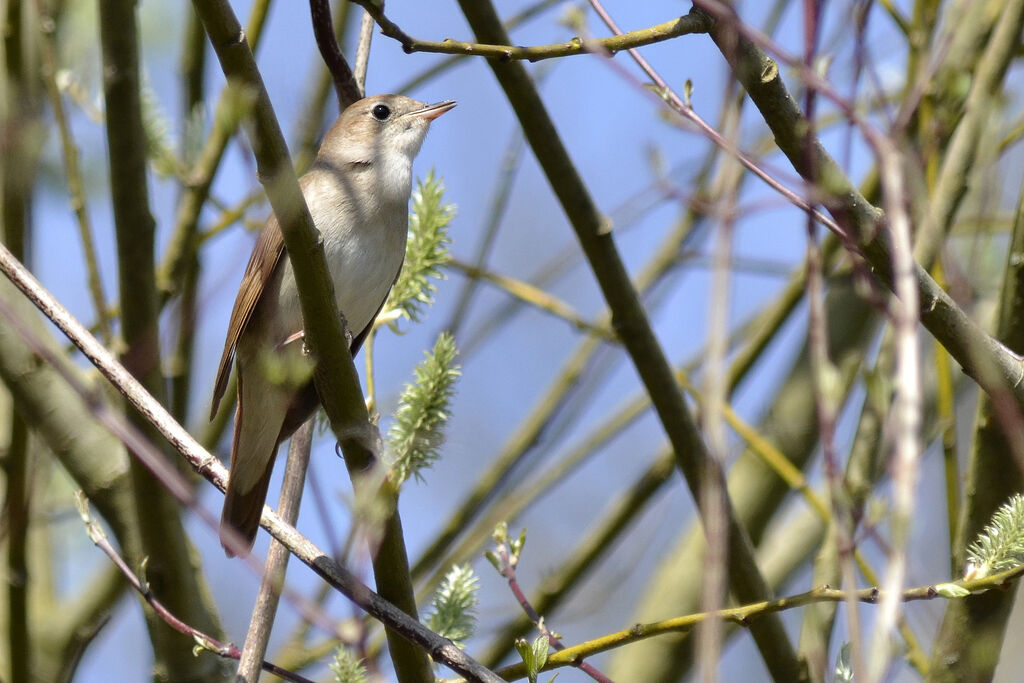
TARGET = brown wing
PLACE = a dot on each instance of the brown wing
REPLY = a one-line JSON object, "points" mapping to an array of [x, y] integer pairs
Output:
{"points": [[266, 254]]}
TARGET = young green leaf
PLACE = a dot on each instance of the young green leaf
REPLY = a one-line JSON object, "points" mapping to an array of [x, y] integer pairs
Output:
{"points": [[951, 590], [534, 655]]}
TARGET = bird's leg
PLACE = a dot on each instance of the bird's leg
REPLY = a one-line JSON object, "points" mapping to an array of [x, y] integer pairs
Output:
{"points": [[300, 335]]}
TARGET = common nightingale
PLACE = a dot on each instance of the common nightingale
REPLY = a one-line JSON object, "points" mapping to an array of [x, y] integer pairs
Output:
{"points": [[358, 195]]}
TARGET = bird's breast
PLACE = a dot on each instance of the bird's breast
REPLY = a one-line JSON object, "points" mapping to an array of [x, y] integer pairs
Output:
{"points": [[364, 252]]}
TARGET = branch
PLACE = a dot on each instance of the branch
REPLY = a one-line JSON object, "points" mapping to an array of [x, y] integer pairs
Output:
{"points": [[175, 577], [992, 476], [182, 245], [345, 85], [633, 328], [986, 360], [335, 375], [559, 396], [504, 52], [209, 467], [277, 557], [99, 539], [748, 615]]}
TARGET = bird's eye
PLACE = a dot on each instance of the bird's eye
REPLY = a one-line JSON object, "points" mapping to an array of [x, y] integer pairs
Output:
{"points": [[381, 112]]}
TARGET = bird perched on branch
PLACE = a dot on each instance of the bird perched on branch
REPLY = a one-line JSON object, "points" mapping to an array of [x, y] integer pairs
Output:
{"points": [[358, 195]]}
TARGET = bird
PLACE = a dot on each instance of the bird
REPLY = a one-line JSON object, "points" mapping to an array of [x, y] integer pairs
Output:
{"points": [[357, 191]]}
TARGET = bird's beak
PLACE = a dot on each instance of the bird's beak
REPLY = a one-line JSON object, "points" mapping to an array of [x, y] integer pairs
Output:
{"points": [[432, 111]]}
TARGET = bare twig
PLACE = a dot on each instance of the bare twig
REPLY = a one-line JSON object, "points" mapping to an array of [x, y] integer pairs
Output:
{"points": [[441, 649], [506, 52], [277, 557], [345, 85], [746, 615], [363, 50], [99, 538], [507, 568]]}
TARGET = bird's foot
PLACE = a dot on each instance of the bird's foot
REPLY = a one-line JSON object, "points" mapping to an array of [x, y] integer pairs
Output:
{"points": [[368, 436]]}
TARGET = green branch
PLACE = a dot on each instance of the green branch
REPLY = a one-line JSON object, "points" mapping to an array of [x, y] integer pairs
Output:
{"points": [[335, 375], [748, 615], [633, 328], [174, 575], [982, 357], [505, 52]]}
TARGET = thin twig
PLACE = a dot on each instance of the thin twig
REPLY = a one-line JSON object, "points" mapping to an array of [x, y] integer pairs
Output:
{"points": [[510, 163], [667, 30], [906, 417], [227, 115], [445, 64], [73, 174], [363, 50], [507, 569], [345, 86], [209, 467], [586, 557], [746, 615], [714, 586], [269, 595], [537, 298], [99, 538]]}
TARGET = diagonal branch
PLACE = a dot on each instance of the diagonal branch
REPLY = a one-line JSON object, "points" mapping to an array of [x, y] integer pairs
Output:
{"points": [[335, 375], [748, 615], [345, 85], [378, 607], [141, 586], [992, 365], [175, 578], [634, 329]]}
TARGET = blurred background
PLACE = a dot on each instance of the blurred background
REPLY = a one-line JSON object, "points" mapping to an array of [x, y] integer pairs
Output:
{"points": [[656, 179]]}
